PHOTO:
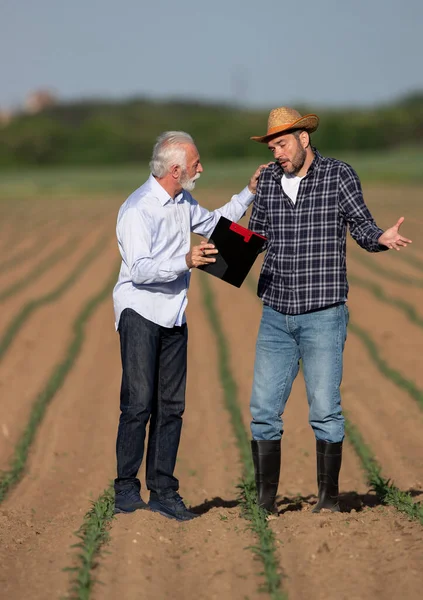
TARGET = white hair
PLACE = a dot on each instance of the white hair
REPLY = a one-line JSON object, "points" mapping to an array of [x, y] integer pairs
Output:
{"points": [[169, 150]]}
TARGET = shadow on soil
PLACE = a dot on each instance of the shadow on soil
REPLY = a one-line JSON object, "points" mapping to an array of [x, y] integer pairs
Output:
{"points": [[216, 502], [348, 501]]}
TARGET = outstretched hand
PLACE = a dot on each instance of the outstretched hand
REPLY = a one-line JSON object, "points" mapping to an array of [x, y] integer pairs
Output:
{"points": [[252, 186], [392, 239]]}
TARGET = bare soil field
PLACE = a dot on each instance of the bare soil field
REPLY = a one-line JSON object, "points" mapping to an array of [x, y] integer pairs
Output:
{"points": [[368, 551]]}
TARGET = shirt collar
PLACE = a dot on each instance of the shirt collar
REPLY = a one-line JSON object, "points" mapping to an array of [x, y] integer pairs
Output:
{"points": [[316, 161], [161, 194]]}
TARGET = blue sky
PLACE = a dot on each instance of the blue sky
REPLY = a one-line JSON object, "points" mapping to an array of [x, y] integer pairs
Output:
{"points": [[257, 54]]}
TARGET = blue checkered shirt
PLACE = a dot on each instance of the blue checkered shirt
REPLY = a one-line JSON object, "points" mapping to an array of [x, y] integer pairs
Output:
{"points": [[304, 268]]}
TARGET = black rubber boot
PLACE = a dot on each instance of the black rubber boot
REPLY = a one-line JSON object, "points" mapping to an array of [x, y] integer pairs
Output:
{"points": [[329, 458], [267, 466]]}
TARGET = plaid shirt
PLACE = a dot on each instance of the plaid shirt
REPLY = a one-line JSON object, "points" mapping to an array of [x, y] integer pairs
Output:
{"points": [[304, 268]]}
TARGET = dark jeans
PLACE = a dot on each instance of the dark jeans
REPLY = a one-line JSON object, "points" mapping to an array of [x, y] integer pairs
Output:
{"points": [[154, 366]]}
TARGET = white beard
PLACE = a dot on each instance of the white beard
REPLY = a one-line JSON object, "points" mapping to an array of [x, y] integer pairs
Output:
{"points": [[188, 184]]}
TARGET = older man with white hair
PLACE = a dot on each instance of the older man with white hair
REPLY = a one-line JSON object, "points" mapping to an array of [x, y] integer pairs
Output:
{"points": [[150, 297]]}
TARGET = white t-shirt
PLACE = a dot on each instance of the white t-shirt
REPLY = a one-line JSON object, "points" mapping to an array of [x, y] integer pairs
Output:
{"points": [[290, 185]]}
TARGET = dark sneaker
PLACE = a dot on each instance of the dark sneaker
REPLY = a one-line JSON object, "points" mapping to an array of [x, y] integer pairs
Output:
{"points": [[126, 501], [172, 508]]}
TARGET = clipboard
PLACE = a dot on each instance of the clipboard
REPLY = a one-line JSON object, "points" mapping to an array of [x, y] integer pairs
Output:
{"points": [[238, 249]]}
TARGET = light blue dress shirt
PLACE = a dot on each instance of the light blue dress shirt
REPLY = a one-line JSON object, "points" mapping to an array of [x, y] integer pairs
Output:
{"points": [[153, 232]]}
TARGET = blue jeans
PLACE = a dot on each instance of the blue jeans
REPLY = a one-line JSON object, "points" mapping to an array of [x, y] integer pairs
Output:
{"points": [[154, 367], [317, 338]]}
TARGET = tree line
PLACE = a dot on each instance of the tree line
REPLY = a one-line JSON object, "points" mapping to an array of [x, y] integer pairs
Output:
{"points": [[102, 132]]}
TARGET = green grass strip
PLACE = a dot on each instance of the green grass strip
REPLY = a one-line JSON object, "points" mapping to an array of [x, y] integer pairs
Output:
{"points": [[266, 549], [407, 309], [21, 225], [395, 376], [57, 378], [227, 380], [26, 311], [386, 272], [386, 491], [24, 254], [93, 534], [41, 268], [410, 259], [21, 256]]}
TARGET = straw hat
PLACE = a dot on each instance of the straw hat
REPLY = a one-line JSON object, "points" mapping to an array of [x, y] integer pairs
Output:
{"points": [[284, 119]]}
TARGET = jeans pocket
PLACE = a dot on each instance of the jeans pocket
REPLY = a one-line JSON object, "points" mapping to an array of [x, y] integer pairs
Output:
{"points": [[347, 314]]}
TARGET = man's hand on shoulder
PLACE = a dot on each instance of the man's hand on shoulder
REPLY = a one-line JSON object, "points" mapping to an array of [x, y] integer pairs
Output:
{"points": [[252, 186], [199, 256], [392, 239]]}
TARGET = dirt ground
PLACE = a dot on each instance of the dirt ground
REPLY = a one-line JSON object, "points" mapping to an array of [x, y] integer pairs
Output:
{"points": [[366, 552]]}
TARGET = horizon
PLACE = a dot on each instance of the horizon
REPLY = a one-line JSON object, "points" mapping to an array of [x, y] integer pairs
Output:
{"points": [[227, 103]]}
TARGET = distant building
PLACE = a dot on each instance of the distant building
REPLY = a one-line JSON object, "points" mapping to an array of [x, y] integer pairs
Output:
{"points": [[39, 100], [5, 116]]}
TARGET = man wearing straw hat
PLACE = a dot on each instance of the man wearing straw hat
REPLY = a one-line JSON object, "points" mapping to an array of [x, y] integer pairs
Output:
{"points": [[303, 206]]}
